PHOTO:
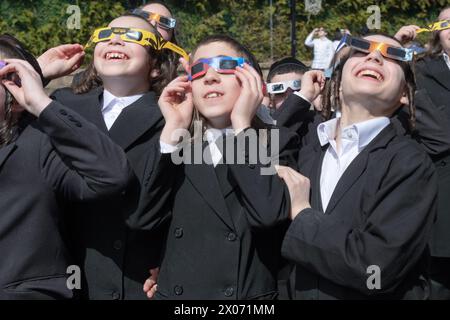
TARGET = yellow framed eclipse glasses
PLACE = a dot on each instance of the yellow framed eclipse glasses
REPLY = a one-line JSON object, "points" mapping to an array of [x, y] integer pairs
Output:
{"points": [[134, 35], [437, 26]]}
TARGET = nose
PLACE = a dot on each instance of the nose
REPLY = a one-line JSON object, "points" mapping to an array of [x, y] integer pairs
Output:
{"points": [[211, 76], [116, 40], [375, 56]]}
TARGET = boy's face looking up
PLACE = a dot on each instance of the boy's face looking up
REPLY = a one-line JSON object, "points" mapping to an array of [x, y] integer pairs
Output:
{"points": [[321, 32], [276, 100]]}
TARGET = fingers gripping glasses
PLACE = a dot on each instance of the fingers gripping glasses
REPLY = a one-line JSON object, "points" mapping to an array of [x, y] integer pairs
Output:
{"points": [[163, 21], [281, 87], [134, 35], [221, 64], [437, 26], [12, 76]]}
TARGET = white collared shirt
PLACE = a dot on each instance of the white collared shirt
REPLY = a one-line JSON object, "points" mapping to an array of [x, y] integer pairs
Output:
{"points": [[211, 135], [323, 51], [446, 59], [354, 139], [113, 106]]}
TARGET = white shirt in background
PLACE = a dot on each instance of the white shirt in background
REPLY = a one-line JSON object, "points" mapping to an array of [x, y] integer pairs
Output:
{"points": [[323, 51]]}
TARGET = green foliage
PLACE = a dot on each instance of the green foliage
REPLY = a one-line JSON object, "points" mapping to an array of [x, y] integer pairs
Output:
{"points": [[42, 24]]}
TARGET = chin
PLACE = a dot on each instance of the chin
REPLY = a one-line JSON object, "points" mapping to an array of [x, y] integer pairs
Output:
{"points": [[368, 86], [368, 92], [216, 114], [111, 74], [114, 71]]}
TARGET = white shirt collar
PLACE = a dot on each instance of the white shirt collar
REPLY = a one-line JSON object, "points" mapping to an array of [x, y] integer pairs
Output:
{"points": [[364, 131], [326, 131], [213, 134], [446, 59], [109, 98]]}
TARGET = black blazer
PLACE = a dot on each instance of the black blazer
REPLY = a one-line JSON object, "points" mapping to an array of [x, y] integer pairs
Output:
{"points": [[59, 158], [380, 213], [115, 254], [224, 240], [433, 75]]}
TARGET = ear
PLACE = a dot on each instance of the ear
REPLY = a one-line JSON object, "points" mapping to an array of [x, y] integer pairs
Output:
{"points": [[155, 73], [404, 99]]}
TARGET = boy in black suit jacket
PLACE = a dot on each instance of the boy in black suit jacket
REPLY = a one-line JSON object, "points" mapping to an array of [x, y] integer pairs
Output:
{"points": [[364, 203], [49, 157], [433, 75]]}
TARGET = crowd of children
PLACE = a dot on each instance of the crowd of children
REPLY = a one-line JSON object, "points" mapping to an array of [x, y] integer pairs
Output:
{"points": [[216, 184]]}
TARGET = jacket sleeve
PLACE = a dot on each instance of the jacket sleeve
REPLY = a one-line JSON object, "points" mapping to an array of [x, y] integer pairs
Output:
{"points": [[266, 196], [295, 114], [431, 125], [79, 161], [393, 235], [155, 203]]}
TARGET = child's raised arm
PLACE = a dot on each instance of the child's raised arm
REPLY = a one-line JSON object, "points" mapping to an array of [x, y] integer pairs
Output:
{"points": [[61, 60], [177, 107]]}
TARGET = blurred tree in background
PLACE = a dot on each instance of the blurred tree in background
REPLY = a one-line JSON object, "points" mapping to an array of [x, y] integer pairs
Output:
{"points": [[43, 24]]}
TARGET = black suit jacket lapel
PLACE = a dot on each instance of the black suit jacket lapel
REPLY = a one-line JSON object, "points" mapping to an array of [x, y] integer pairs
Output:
{"points": [[204, 180], [440, 71], [135, 120], [90, 107], [5, 152], [358, 166], [316, 198]]}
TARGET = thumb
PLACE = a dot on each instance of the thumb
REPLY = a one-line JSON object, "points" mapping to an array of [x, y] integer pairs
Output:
{"points": [[316, 88], [154, 273], [76, 60], [188, 96], [12, 88], [185, 65]]}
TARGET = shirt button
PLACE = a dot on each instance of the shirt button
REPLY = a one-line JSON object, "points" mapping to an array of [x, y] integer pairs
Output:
{"points": [[63, 112], [178, 232], [443, 163], [231, 236], [178, 290], [229, 292], [115, 295], [117, 245]]}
